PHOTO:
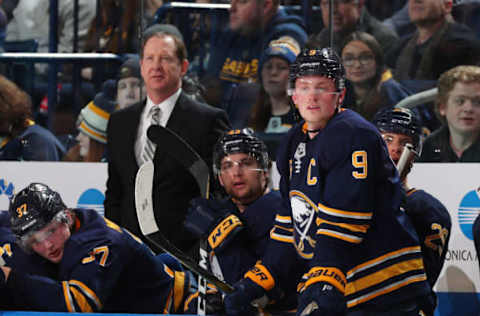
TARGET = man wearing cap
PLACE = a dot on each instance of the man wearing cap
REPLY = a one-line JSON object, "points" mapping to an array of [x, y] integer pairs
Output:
{"points": [[130, 88], [163, 63], [253, 24]]}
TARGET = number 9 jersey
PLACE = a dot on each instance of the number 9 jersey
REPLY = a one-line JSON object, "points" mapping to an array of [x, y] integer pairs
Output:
{"points": [[345, 219]]}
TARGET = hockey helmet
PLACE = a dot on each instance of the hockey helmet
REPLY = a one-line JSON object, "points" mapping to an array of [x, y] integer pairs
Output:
{"points": [[401, 121], [323, 62], [33, 208], [240, 141]]}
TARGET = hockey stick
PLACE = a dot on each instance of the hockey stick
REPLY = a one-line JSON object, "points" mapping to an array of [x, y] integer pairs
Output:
{"points": [[180, 150], [183, 152], [149, 228]]}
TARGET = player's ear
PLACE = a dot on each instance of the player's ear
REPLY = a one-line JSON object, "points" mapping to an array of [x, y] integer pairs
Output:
{"points": [[220, 180]]}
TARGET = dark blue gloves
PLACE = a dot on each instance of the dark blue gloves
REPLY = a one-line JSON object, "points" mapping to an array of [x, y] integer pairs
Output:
{"points": [[239, 303], [321, 299], [205, 219]]}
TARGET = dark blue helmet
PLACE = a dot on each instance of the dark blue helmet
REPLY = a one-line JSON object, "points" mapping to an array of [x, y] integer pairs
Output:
{"points": [[33, 208], [240, 141], [323, 62], [400, 121]]}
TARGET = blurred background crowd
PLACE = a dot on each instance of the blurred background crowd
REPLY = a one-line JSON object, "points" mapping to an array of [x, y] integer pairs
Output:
{"points": [[239, 52]]}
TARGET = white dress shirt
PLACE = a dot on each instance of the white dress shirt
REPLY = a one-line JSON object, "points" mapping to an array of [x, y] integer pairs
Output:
{"points": [[167, 107]]}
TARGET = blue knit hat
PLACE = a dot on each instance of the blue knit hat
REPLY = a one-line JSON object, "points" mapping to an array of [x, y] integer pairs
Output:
{"points": [[93, 118], [283, 48], [130, 68]]}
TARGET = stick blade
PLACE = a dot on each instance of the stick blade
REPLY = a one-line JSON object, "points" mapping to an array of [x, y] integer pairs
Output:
{"points": [[143, 199]]}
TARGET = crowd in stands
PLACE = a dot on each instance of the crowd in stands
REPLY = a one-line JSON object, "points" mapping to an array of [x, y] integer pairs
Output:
{"points": [[239, 61]]}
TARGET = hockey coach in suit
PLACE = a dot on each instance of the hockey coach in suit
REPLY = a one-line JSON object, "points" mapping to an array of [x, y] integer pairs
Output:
{"points": [[163, 63]]}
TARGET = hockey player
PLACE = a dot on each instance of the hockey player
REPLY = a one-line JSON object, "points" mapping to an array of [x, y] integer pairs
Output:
{"points": [[237, 228], [401, 129], [344, 195], [11, 255], [100, 267]]}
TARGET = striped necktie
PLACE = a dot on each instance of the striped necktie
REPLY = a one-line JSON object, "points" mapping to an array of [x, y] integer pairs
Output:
{"points": [[149, 148]]}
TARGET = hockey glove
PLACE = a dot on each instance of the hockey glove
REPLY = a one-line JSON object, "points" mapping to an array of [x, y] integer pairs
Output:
{"points": [[250, 291], [322, 293], [239, 303], [219, 226]]}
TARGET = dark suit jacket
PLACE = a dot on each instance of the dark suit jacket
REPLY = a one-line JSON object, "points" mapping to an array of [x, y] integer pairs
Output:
{"points": [[173, 186]]}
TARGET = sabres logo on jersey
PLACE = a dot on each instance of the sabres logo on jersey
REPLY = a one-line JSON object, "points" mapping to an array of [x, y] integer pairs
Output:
{"points": [[304, 212]]}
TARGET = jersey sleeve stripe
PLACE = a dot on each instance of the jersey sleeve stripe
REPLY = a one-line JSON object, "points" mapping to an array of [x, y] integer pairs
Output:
{"points": [[283, 219], [68, 297], [351, 227], [87, 292], [387, 289], [338, 235], [189, 299], [81, 301], [387, 273], [281, 238], [168, 270], [345, 214], [380, 260], [178, 290]]}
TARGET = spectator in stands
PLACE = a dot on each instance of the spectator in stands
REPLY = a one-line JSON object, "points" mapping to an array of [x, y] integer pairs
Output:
{"points": [[130, 87], [150, 9], [438, 44], [458, 107], [350, 16], [20, 137], [372, 86], [92, 126], [382, 9], [400, 22], [31, 21], [272, 111], [163, 63], [234, 58], [114, 30]]}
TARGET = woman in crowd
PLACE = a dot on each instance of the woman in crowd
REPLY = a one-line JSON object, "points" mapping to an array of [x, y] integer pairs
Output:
{"points": [[92, 126], [272, 112], [371, 86], [20, 137]]}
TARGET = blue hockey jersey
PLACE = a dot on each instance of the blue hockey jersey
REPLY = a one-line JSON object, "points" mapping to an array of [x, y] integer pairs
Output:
{"points": [[345, 218], [433, 225], [14, 257], [232, 262], [104, 268]]}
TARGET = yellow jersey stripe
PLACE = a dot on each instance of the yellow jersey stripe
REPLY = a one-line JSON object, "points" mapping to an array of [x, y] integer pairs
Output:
{"points": [[352, 227], [87, 292], [178, 288], [345, 214], [68, 297], [387, 289], [384, 274], [188, 300], [344, 237], [283, 219], [382, 259], [81, 301]]}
